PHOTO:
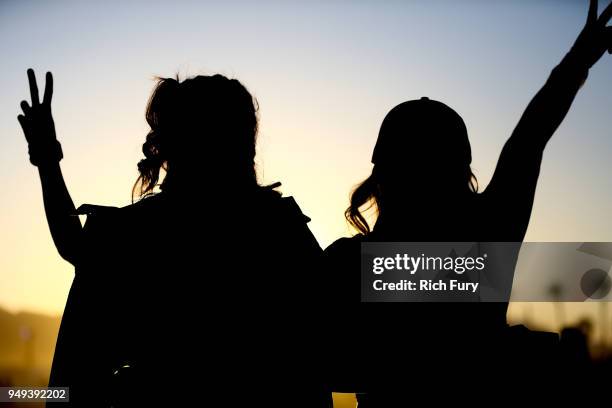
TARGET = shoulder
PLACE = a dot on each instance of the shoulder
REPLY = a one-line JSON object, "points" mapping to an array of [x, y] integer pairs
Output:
{"points": [[111, 218], [99, 218], [293, 209], [148, 203], [106, 210], [279, 208], [341, 265], [344, 243], [285, 218], [343, 247]]}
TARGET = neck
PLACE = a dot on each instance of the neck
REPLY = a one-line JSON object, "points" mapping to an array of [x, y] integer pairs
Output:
{"points": [[177, 185]]}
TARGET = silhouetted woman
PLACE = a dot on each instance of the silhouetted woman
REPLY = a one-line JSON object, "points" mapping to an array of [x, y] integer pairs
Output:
{"points": [[195, 293], [423, 190]]}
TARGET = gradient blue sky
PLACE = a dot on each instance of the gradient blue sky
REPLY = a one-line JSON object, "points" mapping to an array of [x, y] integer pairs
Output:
{"points": [[324, 73]]}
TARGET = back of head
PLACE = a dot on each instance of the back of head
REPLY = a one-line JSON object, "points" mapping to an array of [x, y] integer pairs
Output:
{"points": [[425, 143], [203, 132], [422, 151]]}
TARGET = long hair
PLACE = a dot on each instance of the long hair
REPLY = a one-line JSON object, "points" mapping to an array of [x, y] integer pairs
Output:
{"points": [[184, 117], [369, 195], [437, 139]]}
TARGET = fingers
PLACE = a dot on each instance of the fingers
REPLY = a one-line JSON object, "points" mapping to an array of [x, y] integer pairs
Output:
{"points": [[48, 89], [24, 126], [592, 16], [25, 107], [33, 87], [605, 16], [22, 122]]}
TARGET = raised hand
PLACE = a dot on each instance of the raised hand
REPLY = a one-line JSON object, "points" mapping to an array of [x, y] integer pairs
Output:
{"points": [[45, 153], [595, 38], [37, 124]]}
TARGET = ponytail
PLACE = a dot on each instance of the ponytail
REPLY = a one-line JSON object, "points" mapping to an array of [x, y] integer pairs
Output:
{"points": [[160, 116]]}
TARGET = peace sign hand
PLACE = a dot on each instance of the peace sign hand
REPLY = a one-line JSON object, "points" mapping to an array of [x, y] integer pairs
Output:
{"points": [[595, 38], [37, 124]]}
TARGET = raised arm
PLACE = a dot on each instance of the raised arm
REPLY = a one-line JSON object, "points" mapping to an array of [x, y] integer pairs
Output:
{"points": [[548, 108], [518, 167], [46, 153]]}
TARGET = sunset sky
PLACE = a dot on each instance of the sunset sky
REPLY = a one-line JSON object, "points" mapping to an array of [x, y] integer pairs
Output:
{"points": [[324, 73]]}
